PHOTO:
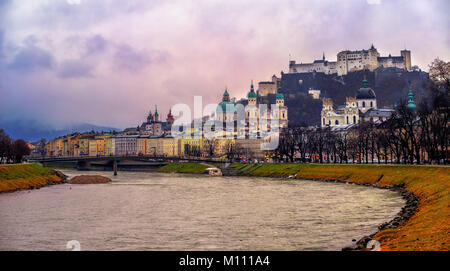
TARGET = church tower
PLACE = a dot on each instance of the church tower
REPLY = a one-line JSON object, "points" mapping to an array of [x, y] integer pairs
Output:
{"points": [[156, 114], [252, 95], [226, 96], [150, 117], [170, 119]]}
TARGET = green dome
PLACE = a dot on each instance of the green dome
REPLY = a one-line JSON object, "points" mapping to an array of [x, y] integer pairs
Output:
{"points": [[411, 104], [222, 106], [252, 93], [364, 83], [280, 96]]}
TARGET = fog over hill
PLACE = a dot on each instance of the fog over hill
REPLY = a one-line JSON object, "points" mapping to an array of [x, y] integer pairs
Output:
{"points": [[31, 130]]}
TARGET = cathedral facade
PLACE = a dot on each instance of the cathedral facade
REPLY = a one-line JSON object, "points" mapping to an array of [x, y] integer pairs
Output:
{"points": [[258, 113]]}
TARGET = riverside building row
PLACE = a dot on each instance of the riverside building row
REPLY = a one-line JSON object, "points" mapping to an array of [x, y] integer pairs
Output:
{"points": [[121, 145]]}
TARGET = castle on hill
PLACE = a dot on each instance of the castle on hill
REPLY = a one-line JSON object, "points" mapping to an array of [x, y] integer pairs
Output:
{"points": [[349, 61]]}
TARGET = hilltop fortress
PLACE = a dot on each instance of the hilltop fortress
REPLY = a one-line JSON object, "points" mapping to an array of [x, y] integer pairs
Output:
{"points": [[349, 61]]}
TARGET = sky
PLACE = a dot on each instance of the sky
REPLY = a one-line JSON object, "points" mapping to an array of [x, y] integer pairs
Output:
{"points": [[108, 62]]}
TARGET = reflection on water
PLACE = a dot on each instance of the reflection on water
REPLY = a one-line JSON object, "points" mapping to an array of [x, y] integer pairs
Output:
{"points": [[153, 211]]}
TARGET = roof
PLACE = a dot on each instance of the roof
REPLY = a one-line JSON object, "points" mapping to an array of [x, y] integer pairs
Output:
{"points": [[280, 96], [252, 93], [365, 93], [385, 113]]}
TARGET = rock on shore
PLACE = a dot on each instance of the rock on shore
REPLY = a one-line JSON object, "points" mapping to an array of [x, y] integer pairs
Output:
{"points": [[89, 179]]}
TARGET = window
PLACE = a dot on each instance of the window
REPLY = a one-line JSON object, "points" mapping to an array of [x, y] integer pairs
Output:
{"points": [[364, 104], [323, 121], [336, 122], [347, 119], [354, 119], [371, 104]]}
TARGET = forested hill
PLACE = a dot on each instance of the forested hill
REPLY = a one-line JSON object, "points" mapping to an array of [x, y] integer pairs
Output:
{"points": [[390, 85]]}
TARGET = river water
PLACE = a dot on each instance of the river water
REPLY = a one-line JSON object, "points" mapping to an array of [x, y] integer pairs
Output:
{"points": [[157, 211]]}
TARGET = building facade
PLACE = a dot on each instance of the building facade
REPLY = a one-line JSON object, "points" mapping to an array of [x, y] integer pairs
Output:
{"points": [[126, 145], [362, 107], [349, 61]]}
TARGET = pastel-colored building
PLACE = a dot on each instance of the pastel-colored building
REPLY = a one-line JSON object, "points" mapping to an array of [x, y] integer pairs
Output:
{"points": [[92, 143], [188, 146], [110, 146], [141, 145]]}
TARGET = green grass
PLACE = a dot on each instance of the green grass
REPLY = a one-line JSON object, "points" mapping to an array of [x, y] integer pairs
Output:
{"points": [[25, 176], [11, 172], [184, 168]]}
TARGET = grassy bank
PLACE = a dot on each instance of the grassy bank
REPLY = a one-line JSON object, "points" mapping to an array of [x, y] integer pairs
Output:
{"points": [[26, 176], [427, 229], [184, 168]]}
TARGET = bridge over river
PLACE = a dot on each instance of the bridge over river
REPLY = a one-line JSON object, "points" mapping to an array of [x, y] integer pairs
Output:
{"points": [[115, 163]]}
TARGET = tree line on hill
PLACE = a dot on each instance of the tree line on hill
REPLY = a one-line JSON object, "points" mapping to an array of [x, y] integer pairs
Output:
{"points": [[389, 84], [410, 136], [12, 151]]}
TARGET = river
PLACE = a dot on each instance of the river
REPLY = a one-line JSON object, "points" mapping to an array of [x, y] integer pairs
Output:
{"points": [[160, 211]]}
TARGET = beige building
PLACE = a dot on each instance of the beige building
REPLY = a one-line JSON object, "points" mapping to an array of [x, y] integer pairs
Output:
{"points": [[110, 146], [340, 116], [141, 145], [349, 61], [92, 143]]}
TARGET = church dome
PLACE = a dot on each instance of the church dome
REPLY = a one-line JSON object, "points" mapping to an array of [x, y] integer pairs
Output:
{"points": [[225, 107], [365, 92], [280, 96]]}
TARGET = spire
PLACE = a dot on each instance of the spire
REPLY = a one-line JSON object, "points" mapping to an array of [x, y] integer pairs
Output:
{"points": [[156, 113], [364, 82], [150, 116], [226, 96], [169, 115], [252, 93], [411, 105]]}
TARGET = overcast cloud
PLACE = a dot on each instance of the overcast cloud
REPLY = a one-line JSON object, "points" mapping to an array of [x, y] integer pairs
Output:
{"points": [[109, 62]]}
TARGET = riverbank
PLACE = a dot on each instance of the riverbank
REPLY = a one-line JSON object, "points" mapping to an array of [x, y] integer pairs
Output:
{"points": [[27, 176], [195, 168], [423, 224]]}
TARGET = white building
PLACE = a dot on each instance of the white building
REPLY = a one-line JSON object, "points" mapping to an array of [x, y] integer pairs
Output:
{"points": [[126, 144], [257, 116], [348, 61], [363, 107]]}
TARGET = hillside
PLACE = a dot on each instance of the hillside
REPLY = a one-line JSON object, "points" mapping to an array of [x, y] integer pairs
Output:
{"points": [[390, 85]]}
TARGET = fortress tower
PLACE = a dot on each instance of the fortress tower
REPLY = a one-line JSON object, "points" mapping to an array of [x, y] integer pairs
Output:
{"points": [[406, 54]]}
